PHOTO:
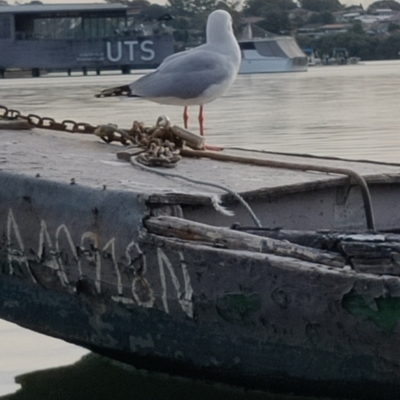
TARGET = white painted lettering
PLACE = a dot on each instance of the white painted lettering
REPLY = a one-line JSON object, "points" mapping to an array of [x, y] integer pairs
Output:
{"points": [[60, 229], [182, 297], [111, 245], [186, 301], [131, 44], [16, 255], [145, 47], [45, 242], [119, 52], [134, 259], [91, 256]]}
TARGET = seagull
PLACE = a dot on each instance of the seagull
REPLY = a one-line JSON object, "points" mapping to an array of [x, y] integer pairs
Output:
{"points": [[194, 77]]}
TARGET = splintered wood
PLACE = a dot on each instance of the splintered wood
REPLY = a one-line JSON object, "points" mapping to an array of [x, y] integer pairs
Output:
{"points": [[235, 240]]}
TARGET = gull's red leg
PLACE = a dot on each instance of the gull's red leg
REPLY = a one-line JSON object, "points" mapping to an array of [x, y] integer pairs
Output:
{"points": [[185, 117], [201, 121]]}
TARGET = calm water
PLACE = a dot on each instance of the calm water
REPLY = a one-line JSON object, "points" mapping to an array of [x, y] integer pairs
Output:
{"points": [[346, 111]]}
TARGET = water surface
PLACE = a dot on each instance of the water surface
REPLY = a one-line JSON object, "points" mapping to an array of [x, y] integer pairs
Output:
{"points": [[346, 111], [341, 111]]}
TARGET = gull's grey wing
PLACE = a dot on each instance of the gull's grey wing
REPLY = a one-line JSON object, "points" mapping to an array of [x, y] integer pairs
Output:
{"points": [[186, 76]]}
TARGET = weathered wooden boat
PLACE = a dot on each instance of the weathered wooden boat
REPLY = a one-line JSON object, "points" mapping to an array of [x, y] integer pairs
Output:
{"points": [[144, 269]]}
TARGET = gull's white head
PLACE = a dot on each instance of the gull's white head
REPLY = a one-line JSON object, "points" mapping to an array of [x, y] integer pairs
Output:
{"points": [[219, 27]]}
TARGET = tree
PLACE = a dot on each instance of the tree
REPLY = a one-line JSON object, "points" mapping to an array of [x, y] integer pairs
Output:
{"points": [[274, 14], [357, 27], [137, 3], [256, 7], [275, 21], [315, 18], [393, 27], [190, 17], [389, 49], [328, 18], [191, 7], [393, 5], [321, 5]]}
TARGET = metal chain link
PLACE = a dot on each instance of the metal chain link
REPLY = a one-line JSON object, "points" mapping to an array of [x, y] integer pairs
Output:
{"points": [[160, 145], [36, 121]]}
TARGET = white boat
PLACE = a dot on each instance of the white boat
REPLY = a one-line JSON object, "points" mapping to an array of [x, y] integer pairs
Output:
{"points": [[313, 59], [277, 54]]}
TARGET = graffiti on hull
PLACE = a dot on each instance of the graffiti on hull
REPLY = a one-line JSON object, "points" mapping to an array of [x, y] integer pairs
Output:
{"points": [[125, 277]]}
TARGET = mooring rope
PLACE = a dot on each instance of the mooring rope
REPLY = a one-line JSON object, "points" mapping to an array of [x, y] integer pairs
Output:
{"points": [[357, 178], [172, 175]]}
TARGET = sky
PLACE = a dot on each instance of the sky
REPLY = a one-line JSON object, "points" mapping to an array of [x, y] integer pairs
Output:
{"points": [[365, 3]]}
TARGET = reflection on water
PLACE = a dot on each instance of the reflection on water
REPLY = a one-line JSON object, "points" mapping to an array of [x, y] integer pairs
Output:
{"points": [[346, 111], [95, 377], [24, 351]]}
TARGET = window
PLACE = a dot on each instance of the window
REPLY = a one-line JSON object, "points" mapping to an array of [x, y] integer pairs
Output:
{"points": [[69, 27], [5, 27]]}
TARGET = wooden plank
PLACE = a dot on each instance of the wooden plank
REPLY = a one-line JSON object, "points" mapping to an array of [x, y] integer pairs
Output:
{"points": [[377, 266], [366, 252], [227, 238]]}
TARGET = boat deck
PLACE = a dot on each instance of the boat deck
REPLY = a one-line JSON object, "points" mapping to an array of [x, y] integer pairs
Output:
{"points": [[86, 160], [279, 197], [84, 240]]}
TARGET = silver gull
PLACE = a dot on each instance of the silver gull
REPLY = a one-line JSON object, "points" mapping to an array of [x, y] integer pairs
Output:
{"points": [[194, 77]]}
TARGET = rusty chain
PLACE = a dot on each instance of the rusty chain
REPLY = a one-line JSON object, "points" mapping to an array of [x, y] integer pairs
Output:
{"points": [[160, 145], [46, 122]]}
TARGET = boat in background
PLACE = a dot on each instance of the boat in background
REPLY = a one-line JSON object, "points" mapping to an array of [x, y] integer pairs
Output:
{"points": [[266, 53], [278, 54], [313, 58]]}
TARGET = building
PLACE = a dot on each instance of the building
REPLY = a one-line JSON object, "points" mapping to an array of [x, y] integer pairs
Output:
{"points": [[78, 37]]}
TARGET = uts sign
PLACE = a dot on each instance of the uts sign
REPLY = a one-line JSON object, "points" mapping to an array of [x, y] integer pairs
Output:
{"points": [[130, 49]]}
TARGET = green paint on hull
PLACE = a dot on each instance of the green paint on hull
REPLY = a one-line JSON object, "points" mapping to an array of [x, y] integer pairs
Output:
{"points": [[385, 316], [237, 308]]}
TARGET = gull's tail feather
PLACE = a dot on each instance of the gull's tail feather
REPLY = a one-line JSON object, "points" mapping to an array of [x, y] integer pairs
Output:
{"points": [[116, 91], [216, 202]]}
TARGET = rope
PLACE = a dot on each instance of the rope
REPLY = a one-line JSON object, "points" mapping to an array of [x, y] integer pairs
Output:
{"points": [[172, 175], [302, 167]]}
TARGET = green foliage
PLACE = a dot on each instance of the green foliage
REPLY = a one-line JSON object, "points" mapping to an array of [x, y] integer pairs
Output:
{"points": [[321, 5], [357, 27], [275, 21], [191, 7], [323, 18], [386, 49], [190, 18], [315, 19], [143, 3], [393, 5], [357, 45], [254, 7], [274, 14], [328, 18], [393, 27]]}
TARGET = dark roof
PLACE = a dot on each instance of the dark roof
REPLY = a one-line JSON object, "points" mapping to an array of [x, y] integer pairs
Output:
{"points": [[40, 8]]}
